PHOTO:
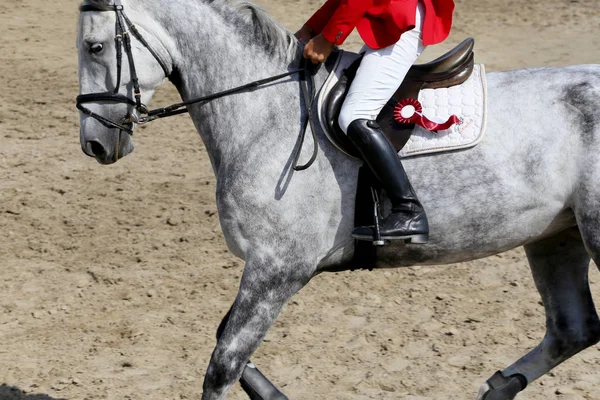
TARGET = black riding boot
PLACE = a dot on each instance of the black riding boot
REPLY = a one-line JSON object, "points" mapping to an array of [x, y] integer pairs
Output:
{"points": [[407, 220]]}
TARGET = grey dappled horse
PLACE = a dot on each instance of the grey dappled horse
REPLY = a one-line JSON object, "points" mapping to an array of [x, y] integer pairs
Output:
{"points": [[532, 182]]}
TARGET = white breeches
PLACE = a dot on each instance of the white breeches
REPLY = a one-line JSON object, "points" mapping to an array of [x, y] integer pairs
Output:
{"points": [[380, 74]]}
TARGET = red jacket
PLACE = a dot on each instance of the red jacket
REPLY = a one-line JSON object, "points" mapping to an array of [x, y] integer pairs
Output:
{"points": [[381, 22]]}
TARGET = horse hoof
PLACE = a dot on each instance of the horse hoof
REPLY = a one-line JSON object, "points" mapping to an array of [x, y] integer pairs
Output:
{"points": [[500, 387], [483, 389]]}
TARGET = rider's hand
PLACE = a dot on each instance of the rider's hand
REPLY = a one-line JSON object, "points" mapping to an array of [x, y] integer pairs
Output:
{"points": [[304, 34], [318, 49]]}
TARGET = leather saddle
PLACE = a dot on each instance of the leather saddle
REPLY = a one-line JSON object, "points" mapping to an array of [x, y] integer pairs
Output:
{"points": [[451, 69]]}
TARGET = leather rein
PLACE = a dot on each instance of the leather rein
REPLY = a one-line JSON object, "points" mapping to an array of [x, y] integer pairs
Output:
{"points": [[124, 28]]}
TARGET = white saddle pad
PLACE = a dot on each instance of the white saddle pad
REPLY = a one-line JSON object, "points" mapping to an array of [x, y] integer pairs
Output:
{"points": [[468, 101]]}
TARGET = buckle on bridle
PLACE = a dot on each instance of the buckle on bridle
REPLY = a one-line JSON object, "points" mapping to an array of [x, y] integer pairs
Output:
{"points": [[136, 119]]}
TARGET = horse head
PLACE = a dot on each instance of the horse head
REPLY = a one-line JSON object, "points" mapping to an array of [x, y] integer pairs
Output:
{"points": [[121, 64]]}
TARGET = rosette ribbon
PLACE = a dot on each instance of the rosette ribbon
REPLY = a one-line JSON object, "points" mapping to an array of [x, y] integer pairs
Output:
{"points": [[410, 111]]}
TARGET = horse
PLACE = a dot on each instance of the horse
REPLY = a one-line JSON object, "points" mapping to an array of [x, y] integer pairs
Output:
{"points": [[531, 182]]}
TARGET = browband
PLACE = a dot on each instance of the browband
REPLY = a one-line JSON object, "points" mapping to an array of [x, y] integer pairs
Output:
{"points": [[90, 7]]}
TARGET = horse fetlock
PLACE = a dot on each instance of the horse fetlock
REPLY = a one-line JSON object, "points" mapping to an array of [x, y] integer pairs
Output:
{"points": [[499, 387]]}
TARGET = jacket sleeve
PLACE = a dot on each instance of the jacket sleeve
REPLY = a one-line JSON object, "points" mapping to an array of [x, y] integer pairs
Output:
{"points": [[338, 18], [318, 21]]}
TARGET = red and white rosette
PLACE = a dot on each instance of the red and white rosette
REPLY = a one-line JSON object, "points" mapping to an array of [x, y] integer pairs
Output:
{"points": [[410, 111]]}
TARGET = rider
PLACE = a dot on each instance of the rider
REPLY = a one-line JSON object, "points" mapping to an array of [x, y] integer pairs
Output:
{"points": [[395, 33]]}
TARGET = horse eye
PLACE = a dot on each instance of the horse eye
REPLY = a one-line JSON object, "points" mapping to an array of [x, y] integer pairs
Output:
{"points": [[96, 48]]}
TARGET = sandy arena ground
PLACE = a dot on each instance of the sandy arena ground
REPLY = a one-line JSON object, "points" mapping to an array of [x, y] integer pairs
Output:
{"points": [[113, 279]]}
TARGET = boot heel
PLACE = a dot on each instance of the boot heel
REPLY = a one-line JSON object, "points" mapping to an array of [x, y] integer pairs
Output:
{"points": [[418, 239]]}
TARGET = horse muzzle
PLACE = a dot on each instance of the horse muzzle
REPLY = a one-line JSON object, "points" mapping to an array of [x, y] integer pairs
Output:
{"points": [[108, 148]]}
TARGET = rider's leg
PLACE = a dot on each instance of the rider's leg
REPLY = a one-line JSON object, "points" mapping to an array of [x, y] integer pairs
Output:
{"points": [[379, 75], [407, 220]]}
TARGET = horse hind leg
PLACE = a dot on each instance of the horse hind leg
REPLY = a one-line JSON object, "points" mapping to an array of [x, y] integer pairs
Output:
{"points": [[587, 212], [585, 98], [560, 267]]}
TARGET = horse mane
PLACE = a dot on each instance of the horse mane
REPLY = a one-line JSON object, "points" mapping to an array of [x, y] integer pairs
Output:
{"points": [[256, 26], [252, 23]]}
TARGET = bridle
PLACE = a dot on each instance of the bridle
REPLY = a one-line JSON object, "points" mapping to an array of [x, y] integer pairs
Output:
{"points": [[123, 28]]}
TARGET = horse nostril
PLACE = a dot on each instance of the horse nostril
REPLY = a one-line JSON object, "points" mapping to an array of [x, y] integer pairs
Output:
{"points": [[96, 148]]}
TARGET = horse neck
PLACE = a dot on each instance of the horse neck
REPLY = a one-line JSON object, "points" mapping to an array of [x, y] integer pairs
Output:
{"points": [[218, 48]]}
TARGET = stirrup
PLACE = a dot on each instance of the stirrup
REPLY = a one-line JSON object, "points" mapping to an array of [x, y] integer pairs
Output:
{"points": [[377, 240]]}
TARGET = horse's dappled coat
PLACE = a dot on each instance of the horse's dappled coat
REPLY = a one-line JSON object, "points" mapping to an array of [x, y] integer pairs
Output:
{"points": [[532, 181]]}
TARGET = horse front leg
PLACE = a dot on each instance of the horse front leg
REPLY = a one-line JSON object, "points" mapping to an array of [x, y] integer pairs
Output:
{"points": [[255, 384], [266, 285], [560, 270]]}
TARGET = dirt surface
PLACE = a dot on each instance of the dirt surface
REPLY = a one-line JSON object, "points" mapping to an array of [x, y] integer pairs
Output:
{"points": [[113, 279]]}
